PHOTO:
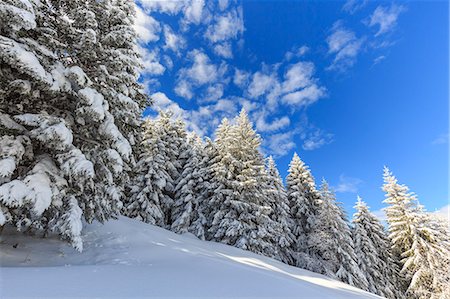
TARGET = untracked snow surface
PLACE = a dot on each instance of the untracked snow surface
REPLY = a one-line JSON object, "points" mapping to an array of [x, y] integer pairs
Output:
{"points": [[127, 258]]}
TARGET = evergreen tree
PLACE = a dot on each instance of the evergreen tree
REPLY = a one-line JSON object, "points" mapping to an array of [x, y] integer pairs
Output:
{"points": [[239, 215], [62, 152], [303, 199], [330, 241], [189, 187], [280, 207], [420, 244], [200, 224], [157, 171], [373, 253]]}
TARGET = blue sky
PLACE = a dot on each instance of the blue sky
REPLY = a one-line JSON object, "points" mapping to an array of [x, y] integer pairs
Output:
{"points": [[351, 86]]}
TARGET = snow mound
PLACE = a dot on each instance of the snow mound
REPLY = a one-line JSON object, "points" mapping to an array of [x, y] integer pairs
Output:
{"points": [[128, 258]]}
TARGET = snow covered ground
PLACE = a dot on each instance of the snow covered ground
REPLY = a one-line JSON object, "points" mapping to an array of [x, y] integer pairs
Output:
{"points": [[127, 258]]}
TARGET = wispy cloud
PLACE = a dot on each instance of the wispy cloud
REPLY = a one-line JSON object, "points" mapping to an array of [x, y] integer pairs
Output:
{"points": [[280, 144], [344, 45], [441, 139], [385, 18], [275, 124], [173, 41], [379, 59], [146, 27], [202, 71], [352, 6], [348, 184], [315, 138], [296, 52]]}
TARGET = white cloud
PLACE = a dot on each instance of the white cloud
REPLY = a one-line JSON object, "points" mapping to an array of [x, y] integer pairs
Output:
{"points": [[193, 11], [442, 139], [164, 6], [344, 44], [315, 139], [276, 124], [385, 18], [151, 63], [223, 50], [184, 89], [299, 75], [379, 59], [280, 144], [296, 52], [173, 41], [162, 102], [147, 28], [202, 70], [213, 93], [226, 105], [261, 83], [352, 6], [304, 96], [225, 27], [240, 77], [348, 184]]}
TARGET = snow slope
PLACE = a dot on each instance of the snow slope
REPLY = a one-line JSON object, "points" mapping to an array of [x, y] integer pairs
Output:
{"points": [[127, 258]]}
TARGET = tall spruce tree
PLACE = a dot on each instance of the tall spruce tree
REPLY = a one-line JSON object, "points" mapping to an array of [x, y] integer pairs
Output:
{"points": [[303, 199], [330, 241], [419, 242], [239, 215], [158, 169], [280, 212], [63, 150], [373, 253], [189, 186]]}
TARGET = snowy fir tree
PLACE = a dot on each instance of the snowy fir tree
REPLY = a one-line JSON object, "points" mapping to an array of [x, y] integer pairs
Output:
{"points": [[189, 187], [373, 253], [419, 242], [330, 241], [62, 153], [162, 157], [303, 199], [199, 225], [240, 210], [280, 212]]}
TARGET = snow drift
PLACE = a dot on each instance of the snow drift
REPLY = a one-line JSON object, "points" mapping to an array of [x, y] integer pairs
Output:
{"points": [[128, 258]]}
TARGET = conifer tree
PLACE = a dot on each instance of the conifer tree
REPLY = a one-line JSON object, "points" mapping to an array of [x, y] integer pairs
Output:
{"points": [[239, 216], [303, 199], [330, 241], [419, 242], [373, 253], [62, 152], [189, 187], [200, 224], [161, 160], [281, 215]]}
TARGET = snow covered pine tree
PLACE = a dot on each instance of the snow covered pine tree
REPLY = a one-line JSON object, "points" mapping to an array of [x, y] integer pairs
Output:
{"points": [[281, 213], [190, 189], [420, 243], [373, 253], [240, 211], [330, 241], [303, 201], [61, 151], [162, 158]]}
